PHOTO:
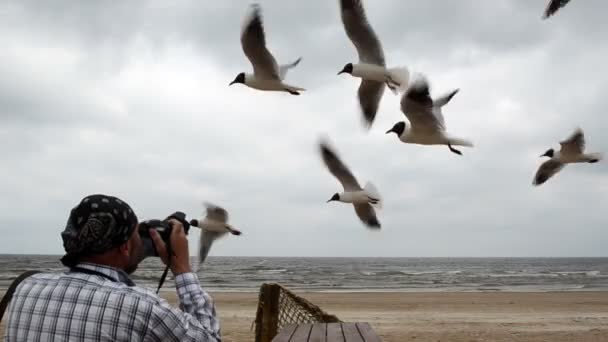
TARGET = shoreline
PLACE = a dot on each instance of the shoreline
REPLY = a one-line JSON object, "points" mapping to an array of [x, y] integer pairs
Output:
{"points": [[170, 287], [372, 291], [379, 291]]}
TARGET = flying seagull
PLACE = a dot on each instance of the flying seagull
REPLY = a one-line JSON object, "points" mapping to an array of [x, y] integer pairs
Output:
{"points": [[363, 199], [553, 6], [213, 227], [371, 67], [572, 150], [427, 126], [267, 74]]}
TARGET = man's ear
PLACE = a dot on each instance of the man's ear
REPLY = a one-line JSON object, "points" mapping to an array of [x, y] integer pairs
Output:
{"points": [[124, 249]]}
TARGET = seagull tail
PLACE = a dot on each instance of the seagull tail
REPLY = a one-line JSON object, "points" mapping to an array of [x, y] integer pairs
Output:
{"points": [[398, 79], [594, 157], [459, 142], [232, 230], [292, 89], [371, 191]]}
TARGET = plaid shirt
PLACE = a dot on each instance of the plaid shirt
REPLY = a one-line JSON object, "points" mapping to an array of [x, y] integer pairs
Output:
{"points": [[78, 306]]}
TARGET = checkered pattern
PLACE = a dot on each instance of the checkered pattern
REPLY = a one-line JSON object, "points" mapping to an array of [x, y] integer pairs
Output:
{"points": [[84, 307]]}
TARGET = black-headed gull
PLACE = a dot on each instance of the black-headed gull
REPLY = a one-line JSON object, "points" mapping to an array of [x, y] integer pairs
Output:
{"points": [[427, 125], [362, 198], [267, 74], [572, 150], [213, 226], [372, 66]]}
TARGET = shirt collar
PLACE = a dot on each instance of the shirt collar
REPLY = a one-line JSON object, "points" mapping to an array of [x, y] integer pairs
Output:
{"points": [[112, 272]]}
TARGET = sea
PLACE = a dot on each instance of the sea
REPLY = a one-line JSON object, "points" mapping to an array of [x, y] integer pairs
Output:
{"points": [[247, 274]]}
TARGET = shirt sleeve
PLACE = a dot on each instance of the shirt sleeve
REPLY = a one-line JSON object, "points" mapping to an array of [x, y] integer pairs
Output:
{"points": [[195, 320]]}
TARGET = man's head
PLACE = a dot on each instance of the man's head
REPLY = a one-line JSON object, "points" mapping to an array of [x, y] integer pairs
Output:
{"points": [[102, 229]]}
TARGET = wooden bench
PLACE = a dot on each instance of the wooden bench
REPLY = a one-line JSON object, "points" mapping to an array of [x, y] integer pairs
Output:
{"points": [[327, 332]]}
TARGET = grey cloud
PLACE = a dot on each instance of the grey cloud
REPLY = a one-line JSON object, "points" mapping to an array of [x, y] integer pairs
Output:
{"points": [[131, 99]]}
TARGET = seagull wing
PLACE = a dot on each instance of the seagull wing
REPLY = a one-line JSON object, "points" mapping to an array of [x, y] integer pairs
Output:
{"points": [[370, 93], [547, 170], [253, 41], [417, 105], [367, 215], [216, 213], [553, 6], [360, 32], [283, 69], [205, 243], [575, 144], [338, 169]]}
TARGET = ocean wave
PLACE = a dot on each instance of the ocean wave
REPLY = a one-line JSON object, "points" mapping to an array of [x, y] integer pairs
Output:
{"points": [[272, 271], [412, 273], [575, 273], [521, 275], [417, 273], [363, 274]]}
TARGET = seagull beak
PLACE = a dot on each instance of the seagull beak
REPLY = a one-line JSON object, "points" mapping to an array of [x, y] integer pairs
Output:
{"points": [[231, 83], [329, 200], [341, 72], [389, 131]]}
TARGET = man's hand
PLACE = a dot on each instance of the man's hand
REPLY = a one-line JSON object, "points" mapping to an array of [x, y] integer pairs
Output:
{"points": [[180, 260]]}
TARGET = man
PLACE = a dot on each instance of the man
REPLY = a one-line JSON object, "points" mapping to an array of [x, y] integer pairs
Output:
{"points": [[96, 300]]}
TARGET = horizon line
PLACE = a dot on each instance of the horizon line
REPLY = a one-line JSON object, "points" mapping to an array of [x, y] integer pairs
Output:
{"points": [[347, 257]]}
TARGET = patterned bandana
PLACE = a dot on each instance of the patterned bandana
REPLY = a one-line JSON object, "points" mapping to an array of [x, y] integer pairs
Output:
{"points": [[97, 224]]}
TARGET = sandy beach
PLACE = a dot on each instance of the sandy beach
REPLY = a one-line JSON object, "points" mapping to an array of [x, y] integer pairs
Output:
{"points": [[556, 316]]}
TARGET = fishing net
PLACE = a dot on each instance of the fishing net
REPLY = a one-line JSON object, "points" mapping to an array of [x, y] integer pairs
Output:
{"points": [[278, 307]]}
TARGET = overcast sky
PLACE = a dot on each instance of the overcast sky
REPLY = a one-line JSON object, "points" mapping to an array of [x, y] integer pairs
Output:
{"points": [[131, 99]]}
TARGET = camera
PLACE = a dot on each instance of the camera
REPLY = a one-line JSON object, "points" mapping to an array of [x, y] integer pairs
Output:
{"points": [[164, 228]]}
